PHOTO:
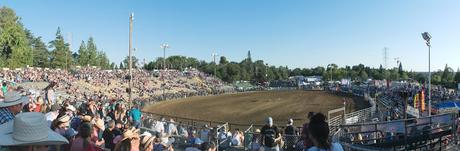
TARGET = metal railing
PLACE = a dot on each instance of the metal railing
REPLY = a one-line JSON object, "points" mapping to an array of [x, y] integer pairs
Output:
{"points": [[410, 134]]}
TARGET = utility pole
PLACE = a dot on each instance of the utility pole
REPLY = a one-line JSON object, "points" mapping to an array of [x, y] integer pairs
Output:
{"points": [[131, 18], [214, 55], [164, 46]]}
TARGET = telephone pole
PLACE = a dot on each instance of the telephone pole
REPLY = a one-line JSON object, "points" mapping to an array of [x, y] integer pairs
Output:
{"points": [[131, 18], [214, 55]]}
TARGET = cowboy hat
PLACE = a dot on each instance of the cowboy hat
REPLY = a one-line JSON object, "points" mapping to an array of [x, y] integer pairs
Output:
{"points": [[146, 134], [30, 128], [130, 133], [13, 98], [146, 141], [99, 124]]}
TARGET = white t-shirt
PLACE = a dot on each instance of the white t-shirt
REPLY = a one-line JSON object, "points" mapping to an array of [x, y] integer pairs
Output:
{"points": [[171, 129], [334, 147], [50, 117], [159, 127]]}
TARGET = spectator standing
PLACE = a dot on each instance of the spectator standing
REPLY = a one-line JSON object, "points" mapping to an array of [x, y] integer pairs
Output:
{"points": [[52, 114], [305, 134], [109, 135], [290, 135], [135, 115], [319, 134], [204, 133], [270, 136], [172, 129]]}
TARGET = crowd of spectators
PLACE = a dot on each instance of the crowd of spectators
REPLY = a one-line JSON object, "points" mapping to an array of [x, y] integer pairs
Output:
{"points": [[97, 116]]}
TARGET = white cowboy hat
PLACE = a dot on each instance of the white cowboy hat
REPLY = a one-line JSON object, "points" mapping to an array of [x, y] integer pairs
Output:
{"points": [[13, 98], [30, 128]]}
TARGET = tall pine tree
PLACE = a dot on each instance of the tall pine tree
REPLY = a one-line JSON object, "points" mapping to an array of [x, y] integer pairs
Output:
{"points": [[61, 56], [83, 55]]}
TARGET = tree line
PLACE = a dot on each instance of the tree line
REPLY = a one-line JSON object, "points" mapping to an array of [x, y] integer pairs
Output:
{"points": [[19, 47], [258, 71]]}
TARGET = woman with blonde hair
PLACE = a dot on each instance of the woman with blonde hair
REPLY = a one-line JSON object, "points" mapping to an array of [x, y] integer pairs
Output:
{"points": [[40, 105]]}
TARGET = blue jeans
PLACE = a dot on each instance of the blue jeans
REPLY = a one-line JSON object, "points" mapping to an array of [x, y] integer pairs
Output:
{"points": [[276, 148], [136, 124]]}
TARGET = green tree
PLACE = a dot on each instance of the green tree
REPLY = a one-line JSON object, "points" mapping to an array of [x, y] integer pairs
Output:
{"points": [[233, 72], [457, 76], [121, 66], [92, 52], [61, 56], [14, 44], [363, 76], [223, 60], [40, 53], [134, 61], [447, 75], [400, 69], [83, 59]]}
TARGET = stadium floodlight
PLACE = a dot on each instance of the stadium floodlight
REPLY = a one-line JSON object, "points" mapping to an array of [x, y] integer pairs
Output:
{"points": [[164, 46], [427, 37]]}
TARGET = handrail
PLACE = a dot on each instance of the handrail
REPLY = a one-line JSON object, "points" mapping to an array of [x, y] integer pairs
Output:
{"points": [[248, 129]]}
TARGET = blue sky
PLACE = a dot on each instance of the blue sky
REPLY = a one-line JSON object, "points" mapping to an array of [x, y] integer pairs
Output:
{"points": [[296, 33]]}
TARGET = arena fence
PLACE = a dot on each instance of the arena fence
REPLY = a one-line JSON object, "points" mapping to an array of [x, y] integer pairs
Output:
{"points": [[429, 133], [220, 141], [248, 136]]}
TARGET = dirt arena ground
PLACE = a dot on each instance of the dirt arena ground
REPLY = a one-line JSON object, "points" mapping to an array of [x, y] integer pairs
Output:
{"points": [[254, 107]]}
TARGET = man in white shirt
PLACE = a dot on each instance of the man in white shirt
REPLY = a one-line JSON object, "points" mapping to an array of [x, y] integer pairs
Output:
{"points": [[159, 127], [52, 115], [172, 129]]}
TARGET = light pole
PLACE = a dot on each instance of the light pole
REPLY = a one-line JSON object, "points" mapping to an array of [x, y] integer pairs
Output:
{"points": [[330, 68], [164, 46], [214, 55], [131, 18], [427, 37]]}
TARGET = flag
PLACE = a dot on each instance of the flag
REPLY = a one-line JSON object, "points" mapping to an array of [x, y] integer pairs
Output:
{"points": [[422, 100], [415, 101]]}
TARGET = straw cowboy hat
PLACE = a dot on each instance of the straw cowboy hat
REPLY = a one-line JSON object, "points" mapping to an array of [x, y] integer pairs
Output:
{"points": [[146, 141], [30, 128], [13, 98], [130, 133], [99, 123]]}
